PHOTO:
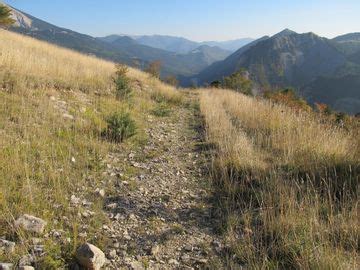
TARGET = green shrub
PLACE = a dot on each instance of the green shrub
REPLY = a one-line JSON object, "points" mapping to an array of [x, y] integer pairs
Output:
{"points": [[122, 82], [161, 110], [239, 81], [120, 127]]}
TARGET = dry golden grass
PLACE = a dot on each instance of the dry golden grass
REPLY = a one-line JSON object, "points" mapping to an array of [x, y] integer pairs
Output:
{"points": [[233, 144], [300, 140], [29, 62], [47, 156], [34, 62], [286, 184]]}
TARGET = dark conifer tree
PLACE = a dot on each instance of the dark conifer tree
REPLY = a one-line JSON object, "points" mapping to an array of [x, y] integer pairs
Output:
{"points": [[5, 16]]}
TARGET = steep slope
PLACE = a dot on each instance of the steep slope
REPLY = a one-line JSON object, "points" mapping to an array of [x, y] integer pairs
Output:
{"points": [[355, 57], [293, 59], [288, 59], [284, 59], [31, 26], [220, 69], [210, 54], [340, 93], [348, 44]]}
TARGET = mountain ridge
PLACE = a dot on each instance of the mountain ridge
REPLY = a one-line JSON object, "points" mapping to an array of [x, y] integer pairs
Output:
{"points": [[181, 45], [289, 59], [128, 51]]}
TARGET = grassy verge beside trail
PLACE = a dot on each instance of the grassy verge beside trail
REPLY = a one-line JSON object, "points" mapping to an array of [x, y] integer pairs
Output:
{"points": [[286, 184]]}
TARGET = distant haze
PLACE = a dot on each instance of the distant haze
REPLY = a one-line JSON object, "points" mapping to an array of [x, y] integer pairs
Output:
{"points": [[198, 20]]}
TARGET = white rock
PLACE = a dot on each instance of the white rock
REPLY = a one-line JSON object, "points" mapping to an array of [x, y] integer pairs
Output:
{"points": [[26, 267], [100, 192], [132, 217], [7, 246], [188, 248], [137, 265], [6, 266], [74, 200], [36, 241], [31, 223], [90, 256], [173, 262], [26, 260], [112, 205], [155, 250], [112, 254], [68, 116]]}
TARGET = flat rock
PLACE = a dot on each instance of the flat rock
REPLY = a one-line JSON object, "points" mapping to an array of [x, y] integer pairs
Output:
{"points": [[68, 116], [26, 267], [90, 257], [173, 262], [31, 223], [137, 265], [100, 192], [6, 266], [7, 246], [112, 254], [26, 260], [155, 250], [74, 200]]}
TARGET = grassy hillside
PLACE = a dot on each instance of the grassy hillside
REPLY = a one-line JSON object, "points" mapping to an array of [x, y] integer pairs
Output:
{"points": [[54, 106], [285, 183]]}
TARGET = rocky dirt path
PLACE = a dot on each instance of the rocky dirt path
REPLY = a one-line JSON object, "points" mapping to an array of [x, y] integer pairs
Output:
{"points": [[160, 208]]}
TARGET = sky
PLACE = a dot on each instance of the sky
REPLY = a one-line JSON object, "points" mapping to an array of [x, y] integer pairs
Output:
{"points": [[199, 20]]}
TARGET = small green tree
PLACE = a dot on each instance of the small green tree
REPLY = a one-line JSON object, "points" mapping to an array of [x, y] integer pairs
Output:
{"points": [[239, 81], [122, 82], [154, 69], [120, 126], [5, 16], [215, 84]]}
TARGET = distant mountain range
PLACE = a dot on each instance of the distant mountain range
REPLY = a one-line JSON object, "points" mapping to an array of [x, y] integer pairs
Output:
{"points": [[125, 49], [181, 45], [321, 69]]}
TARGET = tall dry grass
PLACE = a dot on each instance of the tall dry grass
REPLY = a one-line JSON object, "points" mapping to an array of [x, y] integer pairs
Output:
{"points": [[286, 184], [26, 62]]}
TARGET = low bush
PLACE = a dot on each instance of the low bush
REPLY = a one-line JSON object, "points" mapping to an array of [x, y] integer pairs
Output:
{"points": [[122, 82], [161, 110], [120, 127]]}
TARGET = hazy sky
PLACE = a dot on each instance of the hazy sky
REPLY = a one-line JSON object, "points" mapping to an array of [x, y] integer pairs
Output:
{"points": [[198, 19]]}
